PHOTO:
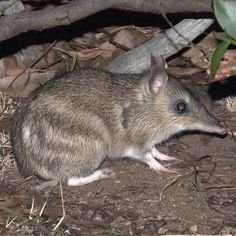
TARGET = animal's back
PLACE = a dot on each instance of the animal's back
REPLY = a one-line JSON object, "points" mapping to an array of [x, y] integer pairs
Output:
{"points": [[64, 114]]}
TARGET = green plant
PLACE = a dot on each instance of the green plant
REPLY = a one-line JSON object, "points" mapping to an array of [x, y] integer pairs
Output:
{"points": [[70, 63], [225, 12], [196, 193]]}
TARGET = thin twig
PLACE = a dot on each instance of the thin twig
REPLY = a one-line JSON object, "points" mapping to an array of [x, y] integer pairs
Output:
{"points": [[173, 181], [199, 159], [63, 209], [33, 64], [32, 222], [220, 186], [176, 31]]}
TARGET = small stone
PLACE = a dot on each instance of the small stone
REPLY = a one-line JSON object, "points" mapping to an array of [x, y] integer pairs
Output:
{"points": [[194, 228], [120, 221], [162, 230], [97, 217]]}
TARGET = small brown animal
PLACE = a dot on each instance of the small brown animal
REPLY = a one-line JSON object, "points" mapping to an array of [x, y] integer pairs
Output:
{"points": [[67, 127]]}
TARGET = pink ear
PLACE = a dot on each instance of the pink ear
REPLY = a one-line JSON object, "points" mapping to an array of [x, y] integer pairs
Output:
{"points": [[158, 80], [158, 76]]}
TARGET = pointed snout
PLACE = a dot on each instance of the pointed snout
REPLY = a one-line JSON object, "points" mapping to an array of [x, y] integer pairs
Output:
{"points": [[219, 130], [216, 128]]}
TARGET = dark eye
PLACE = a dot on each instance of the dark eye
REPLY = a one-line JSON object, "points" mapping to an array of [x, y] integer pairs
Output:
{"points": [[180, 107]]}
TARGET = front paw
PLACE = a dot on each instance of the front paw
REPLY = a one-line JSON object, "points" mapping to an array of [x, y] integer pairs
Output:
{"points": [[157, 166], [160, 156]]}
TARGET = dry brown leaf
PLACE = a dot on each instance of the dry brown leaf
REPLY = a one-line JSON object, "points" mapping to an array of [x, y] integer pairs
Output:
{"points": [[107, 50], [5, 63], [13, 70], [196, 56], [200, 54], [116, 53], [148, 31], [100, 36], [209, 42], [88, 54], [25, 84], [193, 54], [52, 56], [10, 61], [129, 38], [114, 29], [87, 39]]}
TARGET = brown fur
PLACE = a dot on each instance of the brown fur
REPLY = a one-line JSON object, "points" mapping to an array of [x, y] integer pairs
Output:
{"points": [[68, 126]]}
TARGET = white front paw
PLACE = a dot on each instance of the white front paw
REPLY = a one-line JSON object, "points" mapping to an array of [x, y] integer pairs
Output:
{"points": [[160, 156], [155, 165]]}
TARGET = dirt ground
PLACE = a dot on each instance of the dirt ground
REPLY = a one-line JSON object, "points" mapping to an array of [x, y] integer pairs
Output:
{"points": [[200, 200]]}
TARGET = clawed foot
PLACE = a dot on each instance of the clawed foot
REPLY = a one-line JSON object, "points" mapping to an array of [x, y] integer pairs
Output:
{"points": [[160, 156], [155, 165], [46, 184], [97, 175]]}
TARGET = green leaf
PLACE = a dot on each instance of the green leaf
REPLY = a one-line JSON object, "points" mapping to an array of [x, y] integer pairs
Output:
{"points": [[225, 12], [222, 36], [70, 64], [217, 56], [73, 62], [182, 45]]}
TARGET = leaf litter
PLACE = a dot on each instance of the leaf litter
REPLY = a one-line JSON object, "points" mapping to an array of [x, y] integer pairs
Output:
{"points": [[201, 200]]}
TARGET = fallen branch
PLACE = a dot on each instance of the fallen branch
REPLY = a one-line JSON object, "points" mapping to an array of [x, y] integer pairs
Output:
{"points": [[15, 24], [166, 44]]}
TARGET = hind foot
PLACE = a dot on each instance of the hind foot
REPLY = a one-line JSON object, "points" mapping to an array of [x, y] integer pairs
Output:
{"points": [[155, 165], [46, 184], [97, 175]]}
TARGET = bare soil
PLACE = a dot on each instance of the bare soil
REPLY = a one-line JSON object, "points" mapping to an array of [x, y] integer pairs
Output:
{"points": [[201, 199], [138, 201]]}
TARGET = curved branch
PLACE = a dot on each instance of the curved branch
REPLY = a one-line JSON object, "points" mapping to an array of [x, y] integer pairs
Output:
{"points": [[165, 44], [13, 25]]}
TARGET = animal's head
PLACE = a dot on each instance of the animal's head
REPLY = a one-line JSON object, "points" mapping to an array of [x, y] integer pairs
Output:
{"points": [[176, 108]]}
